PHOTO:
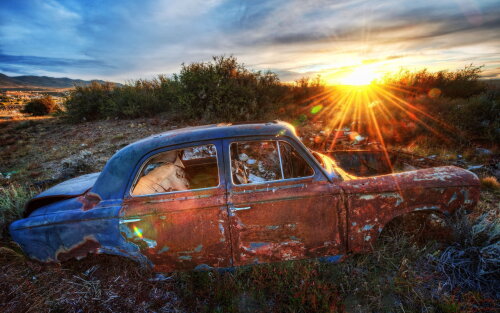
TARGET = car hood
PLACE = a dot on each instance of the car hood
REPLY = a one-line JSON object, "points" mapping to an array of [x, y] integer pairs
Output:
{"points": [[69, 189]]}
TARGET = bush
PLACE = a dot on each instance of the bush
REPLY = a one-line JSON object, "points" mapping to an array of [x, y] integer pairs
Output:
{"points": [[478, 117], [40, 106], [89, 102], [225, 90], [462, 83], [220, 90], [490, 183]]}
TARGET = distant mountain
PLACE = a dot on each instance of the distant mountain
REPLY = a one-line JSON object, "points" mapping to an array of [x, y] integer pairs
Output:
{"points": [[41, 81]]}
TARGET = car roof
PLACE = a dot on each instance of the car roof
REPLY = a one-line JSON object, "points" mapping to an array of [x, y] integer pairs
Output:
{"points": [[215, 131], [115, 176]]}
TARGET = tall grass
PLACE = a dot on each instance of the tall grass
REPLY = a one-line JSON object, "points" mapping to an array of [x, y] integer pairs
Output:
{"points": [[12, 201]]}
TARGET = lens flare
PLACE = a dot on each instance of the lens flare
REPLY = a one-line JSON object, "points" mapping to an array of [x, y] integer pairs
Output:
{"points": [[369, 114], [138, 232]]}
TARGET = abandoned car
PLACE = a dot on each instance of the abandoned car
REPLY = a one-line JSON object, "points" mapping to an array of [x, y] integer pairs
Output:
{"points": [[228, 195]]}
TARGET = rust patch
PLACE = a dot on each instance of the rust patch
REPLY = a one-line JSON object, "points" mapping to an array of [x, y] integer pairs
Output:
{"points": [[179, 231], [375, 201], [286, 220], [89, 200], [79, 250]]}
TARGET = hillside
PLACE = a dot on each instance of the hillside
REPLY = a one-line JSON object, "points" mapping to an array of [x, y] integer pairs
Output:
{"points": [[41, 81]]}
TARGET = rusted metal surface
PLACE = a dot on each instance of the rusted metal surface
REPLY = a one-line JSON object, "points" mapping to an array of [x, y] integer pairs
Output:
{"points": [[373, 202], [285, 221], [180, 230], [326, 215]]}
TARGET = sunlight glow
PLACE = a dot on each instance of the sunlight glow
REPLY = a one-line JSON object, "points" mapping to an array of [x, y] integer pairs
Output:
{"points": [[366, 112], [361, 75]]}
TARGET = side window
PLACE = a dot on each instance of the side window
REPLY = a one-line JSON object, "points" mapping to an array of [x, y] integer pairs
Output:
{"points": [[177, 170], [259, 161], [255, 162], [294, 165]]}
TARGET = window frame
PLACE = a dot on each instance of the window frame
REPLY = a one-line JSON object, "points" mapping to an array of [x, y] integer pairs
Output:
{"points": [[238, 140], [154, 153]]}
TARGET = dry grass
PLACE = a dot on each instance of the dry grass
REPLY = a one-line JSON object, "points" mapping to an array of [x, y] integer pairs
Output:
{"points": [[12, 200], [97, 284], [490, 183]]}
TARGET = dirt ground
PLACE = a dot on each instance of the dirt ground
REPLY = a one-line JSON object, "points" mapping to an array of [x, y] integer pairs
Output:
{"points": [[47, 149]]}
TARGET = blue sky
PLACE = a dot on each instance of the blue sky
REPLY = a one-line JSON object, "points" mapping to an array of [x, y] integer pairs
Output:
{"points": [[121, 40]]}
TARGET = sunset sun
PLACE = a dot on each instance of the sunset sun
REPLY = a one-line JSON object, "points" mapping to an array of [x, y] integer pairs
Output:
{"points": [[359, 76]]}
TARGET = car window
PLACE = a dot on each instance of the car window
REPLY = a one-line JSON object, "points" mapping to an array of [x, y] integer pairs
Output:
{"points": [[259, 161], [294, 166], [255, 162], [176, 170]]}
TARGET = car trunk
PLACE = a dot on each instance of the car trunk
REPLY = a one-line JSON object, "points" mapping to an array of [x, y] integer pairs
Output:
{"points": [[69, 189]]}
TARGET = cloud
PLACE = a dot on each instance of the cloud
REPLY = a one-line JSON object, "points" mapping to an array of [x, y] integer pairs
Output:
{"points": [[130, 39]]}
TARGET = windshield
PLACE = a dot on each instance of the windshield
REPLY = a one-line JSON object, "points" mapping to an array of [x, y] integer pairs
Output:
{"points": [[331, 166]]}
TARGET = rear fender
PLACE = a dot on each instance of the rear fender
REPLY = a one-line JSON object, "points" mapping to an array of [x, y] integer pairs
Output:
{"points": [[368, 214]]}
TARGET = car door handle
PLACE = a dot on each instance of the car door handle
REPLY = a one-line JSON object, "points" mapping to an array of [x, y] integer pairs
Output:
{"points": [[234, 209]]}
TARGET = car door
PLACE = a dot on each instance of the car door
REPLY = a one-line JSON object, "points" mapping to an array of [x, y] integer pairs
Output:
{"points": [[277, 216], [183, 222]]}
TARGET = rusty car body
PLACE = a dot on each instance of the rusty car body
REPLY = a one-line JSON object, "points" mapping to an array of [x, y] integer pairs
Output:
{"points": [[291, 204]]}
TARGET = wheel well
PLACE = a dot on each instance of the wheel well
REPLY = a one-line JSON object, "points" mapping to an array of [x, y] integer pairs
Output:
{"points": [[422, 226]]}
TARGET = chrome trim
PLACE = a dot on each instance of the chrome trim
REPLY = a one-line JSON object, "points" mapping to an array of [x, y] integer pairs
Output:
{"points": [[234, 209], [269, 188], [129, 220], [281, 161], [178, 199]]}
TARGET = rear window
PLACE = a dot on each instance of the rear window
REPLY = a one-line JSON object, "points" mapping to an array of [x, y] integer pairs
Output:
{"points": [[177, 170]]}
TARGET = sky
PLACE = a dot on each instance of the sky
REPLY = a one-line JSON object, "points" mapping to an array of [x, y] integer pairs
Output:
{"points": [[125, 40]]}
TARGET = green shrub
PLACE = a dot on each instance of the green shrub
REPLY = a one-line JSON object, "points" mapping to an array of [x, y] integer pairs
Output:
{"points": [[220, 90], [225, 90], [40, 106], [478, 117], [89, 102]]}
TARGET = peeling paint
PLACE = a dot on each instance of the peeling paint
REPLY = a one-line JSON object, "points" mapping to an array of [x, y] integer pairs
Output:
{"points": [[164, 249], [273, 227], [367, 227], [367, 197]]}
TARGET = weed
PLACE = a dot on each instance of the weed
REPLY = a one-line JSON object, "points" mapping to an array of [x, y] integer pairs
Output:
{"points": [[12, 201]]}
